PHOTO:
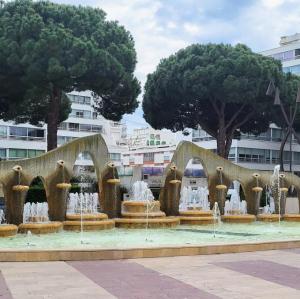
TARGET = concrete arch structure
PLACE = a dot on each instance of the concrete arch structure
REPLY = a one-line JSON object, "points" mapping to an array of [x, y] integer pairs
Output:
{"points": [[54, 167], [231, 172]]}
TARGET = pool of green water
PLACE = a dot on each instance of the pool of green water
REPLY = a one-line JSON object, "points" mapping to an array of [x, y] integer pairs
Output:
{"points": [[179, 236]]}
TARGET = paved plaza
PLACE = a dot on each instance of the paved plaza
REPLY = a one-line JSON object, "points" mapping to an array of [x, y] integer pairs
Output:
{"points": [[268, 274]]}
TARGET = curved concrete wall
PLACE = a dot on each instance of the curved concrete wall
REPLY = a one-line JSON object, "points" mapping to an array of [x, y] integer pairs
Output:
{"points": [[187, 150]]}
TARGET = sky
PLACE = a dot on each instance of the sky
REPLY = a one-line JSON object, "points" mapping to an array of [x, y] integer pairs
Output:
{"points": [[162, 27]]}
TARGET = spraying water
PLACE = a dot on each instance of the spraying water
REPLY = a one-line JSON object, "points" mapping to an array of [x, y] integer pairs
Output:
{"points": [[35, 212], [89, 202], [235, 206], [194, 199], [141, 192], [2, 216], [275, 187], [216, 216]]}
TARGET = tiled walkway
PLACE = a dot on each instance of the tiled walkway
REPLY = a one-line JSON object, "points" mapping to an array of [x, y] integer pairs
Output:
{"points": [[269, 274]]}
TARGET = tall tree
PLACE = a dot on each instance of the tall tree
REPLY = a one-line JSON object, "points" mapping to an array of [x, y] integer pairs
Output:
{"points": [[286, 111], [47, 50], [220, 87]]}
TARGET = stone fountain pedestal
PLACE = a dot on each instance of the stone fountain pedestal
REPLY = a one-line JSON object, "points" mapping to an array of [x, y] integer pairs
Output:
{"points": [[238, 218], [291, 217], [196, 217], [8, 230], [268, 217], [90, 222], [141, 214], [40, 227]]}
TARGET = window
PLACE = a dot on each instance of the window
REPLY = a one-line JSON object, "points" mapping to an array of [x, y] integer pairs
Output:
{"points": [[80, 113], [157, 142], [253, 155], [73, 127], [2, 153], [36, 133], [151, 136], [78, 99], [115, 156], [17, 153], [151, 142], [34, 153], [148, 157], [163, 142], [86, 128], [63, 126], [276, 134], [96, 128], [18, 132], [3, 131]]}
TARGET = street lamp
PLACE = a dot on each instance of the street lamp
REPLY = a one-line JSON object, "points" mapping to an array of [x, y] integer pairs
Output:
{"points": [[289, 119]]}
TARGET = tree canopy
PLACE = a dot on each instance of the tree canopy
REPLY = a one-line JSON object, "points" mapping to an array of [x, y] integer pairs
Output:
{"points": [[48, 50], [221, 88]]}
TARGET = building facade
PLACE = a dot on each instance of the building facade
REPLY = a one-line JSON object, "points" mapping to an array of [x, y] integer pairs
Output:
{"points": [[19, 141]]}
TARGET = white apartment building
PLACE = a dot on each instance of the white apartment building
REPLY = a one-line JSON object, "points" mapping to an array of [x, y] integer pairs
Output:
{"points": [[18, 141]]}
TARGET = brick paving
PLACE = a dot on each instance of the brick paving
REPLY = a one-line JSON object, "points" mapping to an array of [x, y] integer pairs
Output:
{"points": [[262, 275]]}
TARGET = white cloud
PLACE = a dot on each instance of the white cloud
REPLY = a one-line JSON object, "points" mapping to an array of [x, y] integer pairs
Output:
{"points": [[161, 28], [191, 28]]}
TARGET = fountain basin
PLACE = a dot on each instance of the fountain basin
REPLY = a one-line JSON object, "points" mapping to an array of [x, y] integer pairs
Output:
{"points": [[38, 219], [143, 215], [8, 230], [291, 217], [268, 217], [195, 213], [196, 217], [88, 225], [150, 223], [244, 218], [87, 217], [203, 220], [140, 206], [40, 228]]}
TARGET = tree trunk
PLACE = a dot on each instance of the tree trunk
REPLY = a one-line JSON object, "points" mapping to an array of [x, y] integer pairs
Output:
{"points": [[53, 119], [221, 139], [283, 142]]}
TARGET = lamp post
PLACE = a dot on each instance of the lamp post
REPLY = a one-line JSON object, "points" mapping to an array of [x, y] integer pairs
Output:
{"points": [[289, 119]]}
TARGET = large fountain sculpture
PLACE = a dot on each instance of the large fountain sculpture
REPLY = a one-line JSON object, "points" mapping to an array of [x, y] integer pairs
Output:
{"points": [[142, 211], [235, 209], [195, 206], [82, 213]]}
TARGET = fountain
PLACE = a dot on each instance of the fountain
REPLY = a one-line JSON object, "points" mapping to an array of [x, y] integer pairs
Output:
{"points": [[216, 216], [272, 210], [36, 219], [235, 210], [6, 230], [82, 213], [194, 206], [142, 211]]}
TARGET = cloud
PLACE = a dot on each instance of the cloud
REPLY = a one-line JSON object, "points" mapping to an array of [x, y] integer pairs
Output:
{"points": [[162, 27]]}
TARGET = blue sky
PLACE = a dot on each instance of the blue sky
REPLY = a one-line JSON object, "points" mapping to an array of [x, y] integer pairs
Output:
{"points": [[161, 27]]}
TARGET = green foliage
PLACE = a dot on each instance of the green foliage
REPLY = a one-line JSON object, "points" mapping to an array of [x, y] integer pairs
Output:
{"points": [[220, 87], [75, 188], [47, 50], [36, 194]]}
